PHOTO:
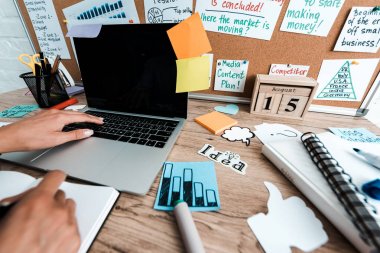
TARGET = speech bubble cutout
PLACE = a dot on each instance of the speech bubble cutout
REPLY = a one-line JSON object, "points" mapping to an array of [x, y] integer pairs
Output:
{"points": [[289, 223], [237, 133]]}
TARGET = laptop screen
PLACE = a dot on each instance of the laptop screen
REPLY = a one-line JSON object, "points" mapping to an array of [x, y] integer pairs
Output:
{"points": [[131, 68]]}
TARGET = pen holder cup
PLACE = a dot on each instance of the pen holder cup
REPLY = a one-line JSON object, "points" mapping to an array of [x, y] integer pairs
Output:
{"points": [[47, 90]]}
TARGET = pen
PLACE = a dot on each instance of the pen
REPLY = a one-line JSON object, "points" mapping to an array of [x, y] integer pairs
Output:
{"points": [[189, 232], [371, 158], [65, 104], [5, 207]]}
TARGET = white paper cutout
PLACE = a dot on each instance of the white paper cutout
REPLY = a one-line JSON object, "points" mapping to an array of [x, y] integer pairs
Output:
{"points": [[173, 11], [288, 223], [84, 31], [230, 75], [237, 133], [75, 108], [276, 132], [345, 80], [361, 32], [247, 18], [227, 158], [48, 30], [288, 70], [311, 17]]}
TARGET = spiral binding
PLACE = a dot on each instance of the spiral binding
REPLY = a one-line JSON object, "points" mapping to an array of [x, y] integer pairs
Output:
{"points": [[355, 203]]}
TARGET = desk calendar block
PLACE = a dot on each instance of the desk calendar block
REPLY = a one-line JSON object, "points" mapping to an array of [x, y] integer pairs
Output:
{"points": [[282, 96]]}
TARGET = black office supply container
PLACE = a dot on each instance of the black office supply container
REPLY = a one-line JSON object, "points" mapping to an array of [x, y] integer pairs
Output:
{"points": [[47, 90]]}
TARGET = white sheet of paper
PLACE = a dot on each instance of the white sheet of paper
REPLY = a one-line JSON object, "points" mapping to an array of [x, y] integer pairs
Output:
{"points": [[173, 11], [115, 11], [84, 31], [230, 75], [288, 70], [211, 57], [288, 223], [361, 32], [345, 80], [48, 30], [4, 123], [311, 17], [275, 132], [233, 18]]}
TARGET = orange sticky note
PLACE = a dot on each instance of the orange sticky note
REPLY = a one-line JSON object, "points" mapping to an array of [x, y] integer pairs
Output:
{"points": [[189, 38], [215, 122]]}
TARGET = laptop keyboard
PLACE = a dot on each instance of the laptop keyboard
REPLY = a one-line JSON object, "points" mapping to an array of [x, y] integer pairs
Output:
{"points": [[131, 129]]}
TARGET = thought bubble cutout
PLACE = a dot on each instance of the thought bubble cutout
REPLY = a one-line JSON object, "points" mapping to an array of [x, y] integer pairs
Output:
{"points": [[237, 133]]}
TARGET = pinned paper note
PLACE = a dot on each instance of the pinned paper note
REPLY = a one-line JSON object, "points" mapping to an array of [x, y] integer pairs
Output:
{"points": [[228, 159], [361, 32], [84, 31], [18, 111], [230, 75], [276, 132], [193, 74], [247, 18], [289, 223], [288, 70], [229, 109], [173, 11], [193, 182], [189, 38], [355, 134], [237, 133], [47, 28], [211, 58], [103, 12], [343, 81], [311, 17]]}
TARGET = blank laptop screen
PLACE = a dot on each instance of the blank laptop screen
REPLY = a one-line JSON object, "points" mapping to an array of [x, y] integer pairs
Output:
{"points": [[131, 68]]}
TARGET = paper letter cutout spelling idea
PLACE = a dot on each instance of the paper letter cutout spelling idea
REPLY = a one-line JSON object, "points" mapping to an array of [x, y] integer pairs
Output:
{"points": [[289, 222]]}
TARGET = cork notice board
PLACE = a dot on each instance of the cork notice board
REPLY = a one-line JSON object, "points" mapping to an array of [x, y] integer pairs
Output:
{"points": [[283, 48]]}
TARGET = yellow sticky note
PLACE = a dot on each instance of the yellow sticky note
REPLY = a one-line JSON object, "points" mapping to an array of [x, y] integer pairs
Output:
{"points": [[192, 74], [189, 38]]}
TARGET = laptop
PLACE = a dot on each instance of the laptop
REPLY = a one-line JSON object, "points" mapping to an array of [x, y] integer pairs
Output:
{"points": [[129, 78]]}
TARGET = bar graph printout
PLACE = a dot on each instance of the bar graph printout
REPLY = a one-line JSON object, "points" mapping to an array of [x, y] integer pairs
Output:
{"points": [[102, 9], [193, 182]]}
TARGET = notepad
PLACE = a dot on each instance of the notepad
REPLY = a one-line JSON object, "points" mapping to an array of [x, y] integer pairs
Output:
{"points": [[293, 160], [93, 203], [215, 122]]}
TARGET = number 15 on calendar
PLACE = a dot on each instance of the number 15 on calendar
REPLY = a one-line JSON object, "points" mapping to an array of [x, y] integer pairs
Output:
{"points": [[282, 96]]}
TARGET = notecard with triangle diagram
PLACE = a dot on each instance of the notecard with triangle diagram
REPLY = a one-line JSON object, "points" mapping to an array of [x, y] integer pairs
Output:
{"points": [[345, 80]]}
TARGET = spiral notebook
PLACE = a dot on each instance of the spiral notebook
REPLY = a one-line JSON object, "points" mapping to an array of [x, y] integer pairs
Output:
{"points": [[293, 160]]}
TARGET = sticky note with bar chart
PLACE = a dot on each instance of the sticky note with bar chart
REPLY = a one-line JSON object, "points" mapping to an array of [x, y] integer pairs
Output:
{"points": [[193, 182]]}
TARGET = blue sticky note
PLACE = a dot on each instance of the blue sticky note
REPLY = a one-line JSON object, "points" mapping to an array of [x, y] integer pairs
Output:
{"points": [[193, 182], [355, 134], [18, 111]]}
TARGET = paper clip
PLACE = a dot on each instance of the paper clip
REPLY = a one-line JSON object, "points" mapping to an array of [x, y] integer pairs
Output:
{"points": [[355, 63]]}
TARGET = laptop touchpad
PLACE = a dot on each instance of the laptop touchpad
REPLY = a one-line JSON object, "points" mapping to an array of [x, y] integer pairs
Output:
{"points": [[84, 159]]}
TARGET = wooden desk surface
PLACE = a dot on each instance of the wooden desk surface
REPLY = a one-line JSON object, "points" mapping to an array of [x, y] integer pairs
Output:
{"points": [[134, 226]]}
